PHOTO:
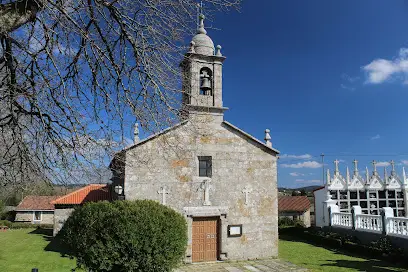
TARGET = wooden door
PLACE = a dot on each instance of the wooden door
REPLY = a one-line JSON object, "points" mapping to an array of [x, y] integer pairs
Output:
{"points": [[205, 239]]}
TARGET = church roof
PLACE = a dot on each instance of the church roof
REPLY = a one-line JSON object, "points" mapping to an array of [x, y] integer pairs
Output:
{"points": [[231, 126], [249, 136]]}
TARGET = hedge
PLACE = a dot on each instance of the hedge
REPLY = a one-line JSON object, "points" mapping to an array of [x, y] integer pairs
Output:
{"points": [[21, 225], [120, 236]]}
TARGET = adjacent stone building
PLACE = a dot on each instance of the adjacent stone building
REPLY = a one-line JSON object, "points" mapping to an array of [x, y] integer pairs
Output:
{"points": [[223, 180], [66, 204], [36, 210], [296, 208]]}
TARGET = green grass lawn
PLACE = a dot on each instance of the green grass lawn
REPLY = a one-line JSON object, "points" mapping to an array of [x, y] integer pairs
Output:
{"points": [[24, 249], [321, 259]]}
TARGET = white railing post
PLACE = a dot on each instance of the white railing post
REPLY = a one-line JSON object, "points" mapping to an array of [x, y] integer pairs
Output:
{"points": [[386, 214], [333, 208], [355, 211]]}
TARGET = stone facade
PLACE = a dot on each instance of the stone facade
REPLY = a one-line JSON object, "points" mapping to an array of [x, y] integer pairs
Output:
{"points": [[171, 161], [60, 216], [47, 217], [242, 186]]}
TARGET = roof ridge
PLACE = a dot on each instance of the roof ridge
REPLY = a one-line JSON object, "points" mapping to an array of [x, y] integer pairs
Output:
{"points": [[76, 191]]}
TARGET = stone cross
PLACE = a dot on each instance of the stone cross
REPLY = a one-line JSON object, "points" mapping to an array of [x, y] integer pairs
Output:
{"points": [[204, 74], [246, 191], [206, 186], [374, 163], [393, 166], [355, 167], [163, 191], [336, 165]]}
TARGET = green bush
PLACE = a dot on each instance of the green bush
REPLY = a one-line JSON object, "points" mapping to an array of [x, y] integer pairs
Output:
{"points": [[21, 225], [120, 236], [289, 222]]}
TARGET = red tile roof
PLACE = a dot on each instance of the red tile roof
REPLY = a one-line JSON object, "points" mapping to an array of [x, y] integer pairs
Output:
{"points": [[36, 203], [293, 204], [89, 193]]}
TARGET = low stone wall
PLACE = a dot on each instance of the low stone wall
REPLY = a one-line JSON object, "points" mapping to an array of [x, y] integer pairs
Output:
{"points": [[60, 216], [47, 217]]}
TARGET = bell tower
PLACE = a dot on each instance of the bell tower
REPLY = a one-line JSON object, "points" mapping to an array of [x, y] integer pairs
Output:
{"points": [[202, 76]]}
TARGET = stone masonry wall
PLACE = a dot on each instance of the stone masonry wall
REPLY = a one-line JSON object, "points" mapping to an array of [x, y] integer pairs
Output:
{"points": [[28, 216], [60, 216], [171, 160]]}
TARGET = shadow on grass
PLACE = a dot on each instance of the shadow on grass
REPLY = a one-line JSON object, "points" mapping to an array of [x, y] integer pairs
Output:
{"points": [[370, 264], [55, 244]]}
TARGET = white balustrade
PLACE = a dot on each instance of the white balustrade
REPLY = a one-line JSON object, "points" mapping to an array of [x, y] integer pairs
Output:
{"points": [[397, 225], [372, 223], [342, 219], [369, 222]]}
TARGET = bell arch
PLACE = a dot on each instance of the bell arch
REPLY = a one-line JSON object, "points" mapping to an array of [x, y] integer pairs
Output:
{"points": [[206, 81]]}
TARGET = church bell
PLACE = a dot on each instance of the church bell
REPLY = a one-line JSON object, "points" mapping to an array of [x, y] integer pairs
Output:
{"points": [[205, 84]]}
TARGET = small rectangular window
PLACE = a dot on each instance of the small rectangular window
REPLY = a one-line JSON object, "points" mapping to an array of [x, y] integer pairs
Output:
{"points": [[205, 166], [37, 216]]}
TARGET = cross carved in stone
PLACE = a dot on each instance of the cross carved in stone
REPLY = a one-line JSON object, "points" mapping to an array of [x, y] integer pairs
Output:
{"points": [[355, 166], [374, 163], [206, 187], [163, 191], [246, 191], [392, 165], [204, 74], [336, 164]]}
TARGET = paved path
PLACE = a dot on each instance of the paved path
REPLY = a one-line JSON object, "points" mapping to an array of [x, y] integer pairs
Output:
{"points": [[274, 265]]}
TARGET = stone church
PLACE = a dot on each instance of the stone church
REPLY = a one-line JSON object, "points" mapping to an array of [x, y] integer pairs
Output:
{"points": [[223, 180]]}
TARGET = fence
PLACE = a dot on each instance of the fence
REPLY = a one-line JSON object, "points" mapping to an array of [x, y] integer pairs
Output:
{"points": [[385, 223]]}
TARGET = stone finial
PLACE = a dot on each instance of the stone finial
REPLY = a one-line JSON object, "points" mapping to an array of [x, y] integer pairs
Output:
{"points": [[355, 167], [219, 51], [191, 49], [201, 29], [336, 167], [374, 163], [367, 176], [328, 176], [268, 138], [392, 167], [348, 175], [385, 175], [404, 176], [136, 133]]}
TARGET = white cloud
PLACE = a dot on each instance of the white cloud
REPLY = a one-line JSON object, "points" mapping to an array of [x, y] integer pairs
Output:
{"points": [[404, 162], [301, 157], [348, 78], [306, 164], [381, 70], [383, 163], [313, 181], [348, 82], [294, 174], [376, 137], [343, 86]]}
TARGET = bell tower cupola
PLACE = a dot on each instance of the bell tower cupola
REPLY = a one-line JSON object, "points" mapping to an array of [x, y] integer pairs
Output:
{"points": [[202, 75]]}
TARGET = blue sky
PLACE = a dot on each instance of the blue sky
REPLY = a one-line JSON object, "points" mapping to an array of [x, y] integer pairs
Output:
{"points": [[324, 76]]}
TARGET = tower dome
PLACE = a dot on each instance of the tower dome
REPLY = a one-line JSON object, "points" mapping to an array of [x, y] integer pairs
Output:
{"points": [[202, 43]]}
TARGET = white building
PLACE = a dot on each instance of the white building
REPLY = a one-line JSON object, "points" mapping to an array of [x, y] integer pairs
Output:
{"points": [[371, 192]]}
